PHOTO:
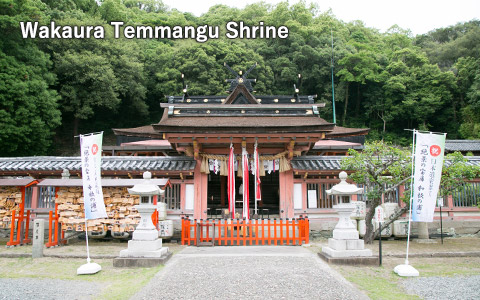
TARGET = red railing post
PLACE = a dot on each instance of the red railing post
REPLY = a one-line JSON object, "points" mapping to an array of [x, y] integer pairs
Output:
{"points": [[56, 228], [281, 232], [288, 232], [238, 232], [250, 233]]}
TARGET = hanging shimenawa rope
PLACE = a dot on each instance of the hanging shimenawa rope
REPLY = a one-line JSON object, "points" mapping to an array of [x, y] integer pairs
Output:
{"points": [[284, 163]]}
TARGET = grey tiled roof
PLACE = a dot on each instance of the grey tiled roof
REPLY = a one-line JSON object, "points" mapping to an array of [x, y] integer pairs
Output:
{"points": [[109, 163], [332, 163], [462, 145], [318, 163]]}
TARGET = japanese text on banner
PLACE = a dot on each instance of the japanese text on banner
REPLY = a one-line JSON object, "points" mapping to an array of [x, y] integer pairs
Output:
{"points": [[428, 172], [91, 152]]}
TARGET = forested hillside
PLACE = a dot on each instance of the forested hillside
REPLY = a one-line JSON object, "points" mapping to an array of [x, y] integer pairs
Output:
{"points": [[53, 89]]}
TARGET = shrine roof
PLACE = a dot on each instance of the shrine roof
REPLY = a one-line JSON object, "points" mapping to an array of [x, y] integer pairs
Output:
{"points": [[17, 181], [109, 163], [331, 163], [262, 99], [244, 124], [339, 131], [462, 145], [143, 131]]}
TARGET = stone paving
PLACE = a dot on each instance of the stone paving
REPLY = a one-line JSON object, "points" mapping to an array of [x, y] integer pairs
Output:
{"points": [[252, 272]]}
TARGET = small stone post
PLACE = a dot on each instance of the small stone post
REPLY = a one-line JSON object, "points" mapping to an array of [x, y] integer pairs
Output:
{"points": [[38, 238]]}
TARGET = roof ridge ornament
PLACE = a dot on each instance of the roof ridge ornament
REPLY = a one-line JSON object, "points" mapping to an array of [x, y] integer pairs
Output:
{"points": [[240, 78]]}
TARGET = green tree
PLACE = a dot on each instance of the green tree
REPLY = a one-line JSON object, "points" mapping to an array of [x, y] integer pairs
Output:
{"points": [[28, 106], [360, 65]]}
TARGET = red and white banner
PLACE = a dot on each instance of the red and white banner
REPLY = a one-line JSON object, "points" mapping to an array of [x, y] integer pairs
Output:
{"points": [[91, 155], [246, 200], [429, 150], [231, 182]]}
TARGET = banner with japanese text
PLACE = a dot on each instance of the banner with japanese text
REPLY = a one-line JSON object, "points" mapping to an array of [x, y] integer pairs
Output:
{"points": [[429, 152], [91, 153]]}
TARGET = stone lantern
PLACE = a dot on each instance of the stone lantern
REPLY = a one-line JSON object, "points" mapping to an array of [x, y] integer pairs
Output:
{"points": [[145, 248], [345, 242]]}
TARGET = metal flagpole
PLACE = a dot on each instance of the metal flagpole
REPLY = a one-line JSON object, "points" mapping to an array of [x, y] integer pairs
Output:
{"points": [[86, 238], [406, 269], [411, 195]]}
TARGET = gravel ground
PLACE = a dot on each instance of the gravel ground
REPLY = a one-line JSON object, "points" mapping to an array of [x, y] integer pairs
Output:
{"points": [[31, 288], [261, 273], [448, 288]]}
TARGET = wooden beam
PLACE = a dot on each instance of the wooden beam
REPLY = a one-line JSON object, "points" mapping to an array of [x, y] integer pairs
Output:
{"points": [[196, 149], [290, 149]]}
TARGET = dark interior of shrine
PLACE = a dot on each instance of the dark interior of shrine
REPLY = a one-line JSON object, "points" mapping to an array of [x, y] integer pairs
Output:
{"points": [[270, 194]]}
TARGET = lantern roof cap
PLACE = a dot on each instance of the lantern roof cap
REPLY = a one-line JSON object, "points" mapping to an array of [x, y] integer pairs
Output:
{"points": [[145, 188], [344, 188]]}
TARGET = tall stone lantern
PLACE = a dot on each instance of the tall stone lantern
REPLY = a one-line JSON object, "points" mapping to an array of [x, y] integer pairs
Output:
{"points": [[145, 247], [345, 242]]}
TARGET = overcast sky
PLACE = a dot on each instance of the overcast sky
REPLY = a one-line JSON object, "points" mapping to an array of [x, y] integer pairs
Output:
{"points": [[420, 16]]}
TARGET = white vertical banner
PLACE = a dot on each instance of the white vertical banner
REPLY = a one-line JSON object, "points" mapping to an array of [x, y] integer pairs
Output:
{"points": [[91, 153], [429, 149]]}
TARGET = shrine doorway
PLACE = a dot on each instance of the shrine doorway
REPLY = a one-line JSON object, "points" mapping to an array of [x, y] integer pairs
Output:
{"points": [[217, 198]]}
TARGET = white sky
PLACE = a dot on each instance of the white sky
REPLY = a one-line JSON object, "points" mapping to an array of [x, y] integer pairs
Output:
{"points": [[420, 16]]}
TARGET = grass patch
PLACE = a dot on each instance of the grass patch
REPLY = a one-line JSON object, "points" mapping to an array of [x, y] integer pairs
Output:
{"points": [[117, 283], [376, 282], [383, 283], [379, 287], [466, 266]]}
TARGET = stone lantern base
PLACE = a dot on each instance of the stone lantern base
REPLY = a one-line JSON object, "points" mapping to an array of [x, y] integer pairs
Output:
{"points": [[345, 247], [145, 249]]}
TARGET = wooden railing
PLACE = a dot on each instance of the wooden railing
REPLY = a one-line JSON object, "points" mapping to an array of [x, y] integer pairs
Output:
{"points": [[238, 232], [17, 226], [55, 233]]}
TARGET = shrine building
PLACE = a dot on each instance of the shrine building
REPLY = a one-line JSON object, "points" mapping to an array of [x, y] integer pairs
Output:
{"points": [[293, 141]]}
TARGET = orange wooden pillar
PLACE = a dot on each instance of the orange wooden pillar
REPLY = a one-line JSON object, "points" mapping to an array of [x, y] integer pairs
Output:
{"points": [[286, 194], [200, 186]]}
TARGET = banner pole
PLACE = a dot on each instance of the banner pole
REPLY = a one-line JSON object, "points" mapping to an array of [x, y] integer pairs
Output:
{"points": [[411, 195], [406, 269], [86, 238]]}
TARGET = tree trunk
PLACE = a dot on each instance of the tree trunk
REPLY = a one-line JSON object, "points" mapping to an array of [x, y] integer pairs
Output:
{"points": [[357, 108], [369, 232], [346, 105]]}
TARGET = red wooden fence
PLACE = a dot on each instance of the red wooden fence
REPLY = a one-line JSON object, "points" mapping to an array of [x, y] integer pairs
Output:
{"points": [[241, 233]]}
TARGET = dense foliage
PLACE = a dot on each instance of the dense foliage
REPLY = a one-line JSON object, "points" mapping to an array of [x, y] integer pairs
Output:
{"points": [[385, 81]]}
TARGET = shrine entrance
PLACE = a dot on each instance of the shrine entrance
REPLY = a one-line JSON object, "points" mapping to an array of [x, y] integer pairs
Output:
{"points": [[218, 199]]}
